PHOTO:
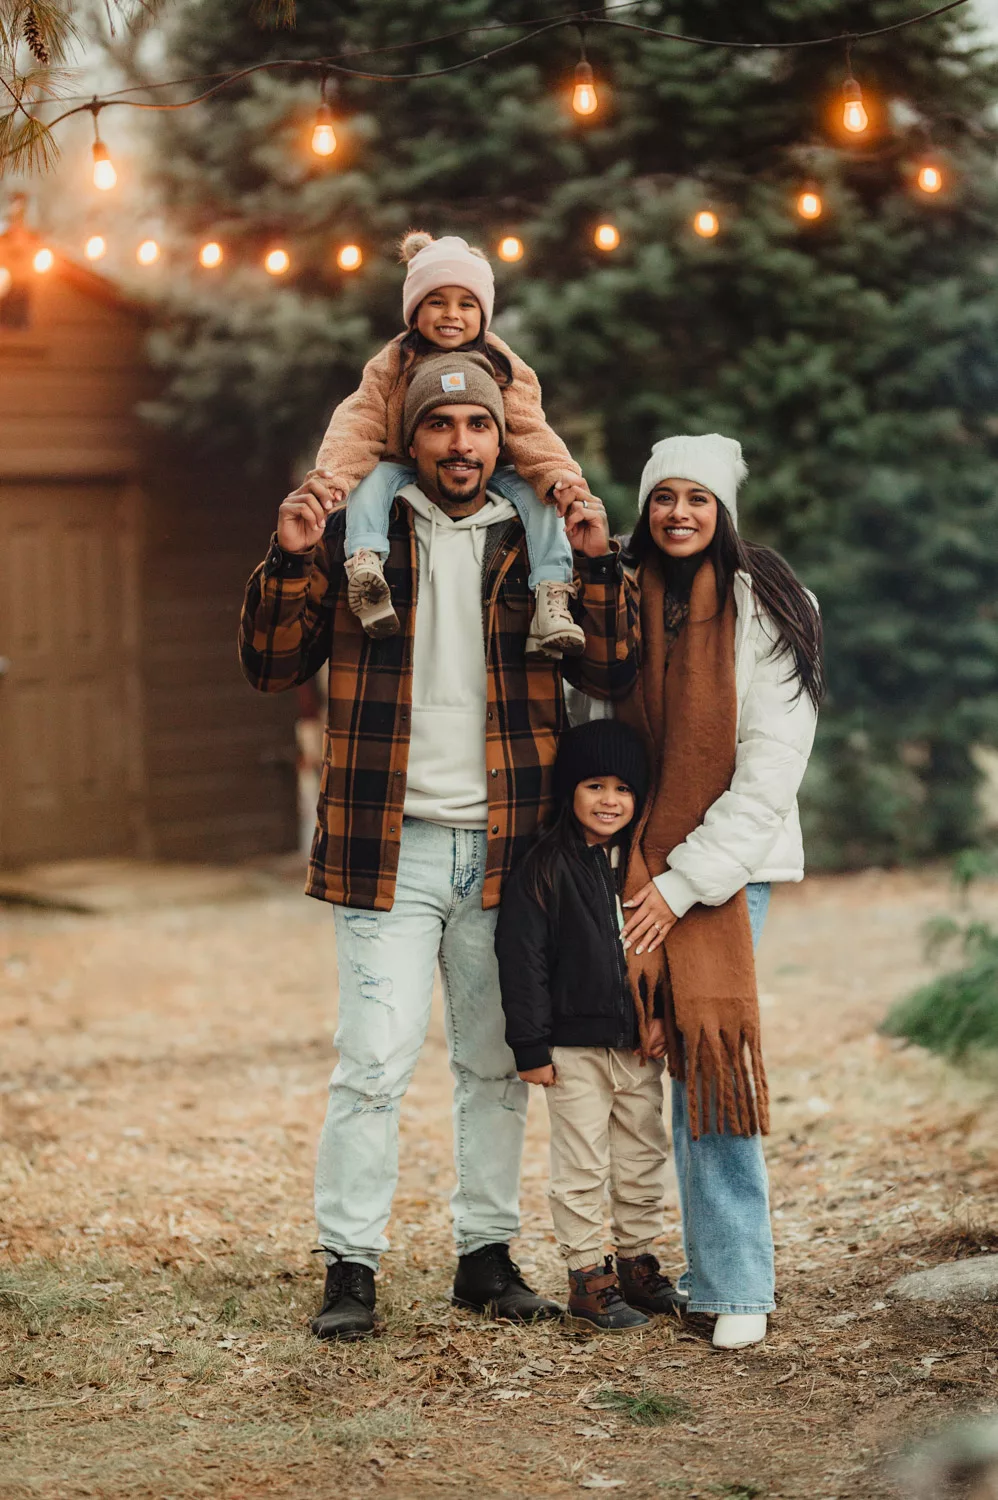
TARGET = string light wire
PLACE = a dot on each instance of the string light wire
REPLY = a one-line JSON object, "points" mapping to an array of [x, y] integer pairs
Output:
{"points": [[537, 27]]}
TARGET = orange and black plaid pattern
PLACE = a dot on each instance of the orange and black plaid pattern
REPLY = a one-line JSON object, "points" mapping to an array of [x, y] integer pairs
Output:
{"points": [[296, 617]]}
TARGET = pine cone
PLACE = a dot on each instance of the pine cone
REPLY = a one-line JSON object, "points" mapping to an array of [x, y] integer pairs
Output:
{"points": [[35, 40]]}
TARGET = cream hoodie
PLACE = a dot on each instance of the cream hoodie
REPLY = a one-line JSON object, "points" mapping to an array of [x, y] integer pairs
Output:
{"points": [[446, 780]]}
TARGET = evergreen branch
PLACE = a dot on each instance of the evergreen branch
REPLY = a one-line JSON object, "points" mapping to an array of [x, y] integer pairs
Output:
{"points": [[26, 144], [275, 14]]}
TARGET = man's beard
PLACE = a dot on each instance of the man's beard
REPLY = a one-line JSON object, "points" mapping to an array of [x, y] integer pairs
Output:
{"points": [[464, 496]]}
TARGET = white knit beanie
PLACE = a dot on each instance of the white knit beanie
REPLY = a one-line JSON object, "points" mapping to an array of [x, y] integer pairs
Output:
{"points": [[712, 460], [449, 261]]}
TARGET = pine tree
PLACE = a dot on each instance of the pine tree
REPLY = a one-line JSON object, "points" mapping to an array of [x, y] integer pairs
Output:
{"points": [[855, 356]]}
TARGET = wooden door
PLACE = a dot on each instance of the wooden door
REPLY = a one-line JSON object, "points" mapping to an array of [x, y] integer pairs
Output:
{"points": [[68, 725]]}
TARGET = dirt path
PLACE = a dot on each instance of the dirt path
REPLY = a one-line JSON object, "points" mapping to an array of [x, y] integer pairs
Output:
{"points": [[162, 1087]]}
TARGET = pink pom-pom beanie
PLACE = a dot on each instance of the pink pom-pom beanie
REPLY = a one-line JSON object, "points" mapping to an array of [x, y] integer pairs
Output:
{"points": [[448, 262]]}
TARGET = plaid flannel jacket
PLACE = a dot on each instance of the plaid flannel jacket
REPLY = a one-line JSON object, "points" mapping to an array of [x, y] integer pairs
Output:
{"points": [[296, 617]]}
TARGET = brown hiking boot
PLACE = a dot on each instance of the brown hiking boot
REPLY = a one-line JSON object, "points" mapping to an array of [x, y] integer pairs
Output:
{"points": [[553, 632], [595, 1299], [642, 1285], [368, 594]]}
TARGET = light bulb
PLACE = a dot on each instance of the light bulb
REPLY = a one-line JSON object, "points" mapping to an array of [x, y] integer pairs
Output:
{"points": [[706, 224], [350, 258], [809, 205], [105, 176], [510, 248], [277, 262], [148, 253], [210, 255], [607, 237], [96, 247], [44, 261], [854, 115], [930, 179], [584, 100], [323, 134]]}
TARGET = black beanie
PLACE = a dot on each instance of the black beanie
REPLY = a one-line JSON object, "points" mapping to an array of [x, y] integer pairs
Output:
{"points": [[603, 747]]}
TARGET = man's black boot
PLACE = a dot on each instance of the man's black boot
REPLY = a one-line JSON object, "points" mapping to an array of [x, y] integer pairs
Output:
{"points": [[489, 1282], [347, 1310]]}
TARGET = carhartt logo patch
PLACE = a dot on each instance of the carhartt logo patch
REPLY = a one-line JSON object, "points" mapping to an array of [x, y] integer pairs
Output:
{"points": [[454, 381]]}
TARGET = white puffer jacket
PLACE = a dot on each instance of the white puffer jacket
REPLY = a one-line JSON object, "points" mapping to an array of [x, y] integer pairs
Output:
{"points": [[752, 832]]}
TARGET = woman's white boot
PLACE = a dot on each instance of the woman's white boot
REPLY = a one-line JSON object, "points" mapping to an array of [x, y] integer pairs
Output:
{"points": [[738, 1330]]}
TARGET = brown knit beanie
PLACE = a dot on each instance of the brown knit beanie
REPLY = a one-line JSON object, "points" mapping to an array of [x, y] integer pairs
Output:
{"points": [[452, 380]]}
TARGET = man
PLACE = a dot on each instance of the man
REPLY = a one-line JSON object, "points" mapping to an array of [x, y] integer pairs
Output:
{"points": [[438, 758]]}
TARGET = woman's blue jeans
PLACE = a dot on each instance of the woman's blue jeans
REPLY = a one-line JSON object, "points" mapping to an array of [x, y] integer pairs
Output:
{"points": [[548, 549], [724, 1198]]}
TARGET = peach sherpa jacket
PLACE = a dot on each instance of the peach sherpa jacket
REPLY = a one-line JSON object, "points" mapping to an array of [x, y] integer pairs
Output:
{"points": [[367, 426]]}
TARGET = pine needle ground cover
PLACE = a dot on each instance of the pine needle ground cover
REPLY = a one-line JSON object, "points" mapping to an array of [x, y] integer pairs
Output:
{"points": [[162, 1088]]}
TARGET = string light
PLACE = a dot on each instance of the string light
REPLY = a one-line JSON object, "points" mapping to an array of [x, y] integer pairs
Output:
{"points": [[350, 258], [44, 261], [809, 204], [510, 248], [277, 262], [854, 115], [148, 253], [607, 237], [323, 134], [210, 255], [929, 179], [96, 247], [706, 224], [105, 176], [584, 100]]}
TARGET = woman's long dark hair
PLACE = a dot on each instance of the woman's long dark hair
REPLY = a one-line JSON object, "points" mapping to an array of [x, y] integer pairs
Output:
{"points": [[562, 843], [785, 600], [415, 344]]}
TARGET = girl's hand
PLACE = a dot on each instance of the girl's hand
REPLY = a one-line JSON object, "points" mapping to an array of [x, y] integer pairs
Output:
{"points": [[656, 1037], [566, 490], [653, 918], [546, 1077]]}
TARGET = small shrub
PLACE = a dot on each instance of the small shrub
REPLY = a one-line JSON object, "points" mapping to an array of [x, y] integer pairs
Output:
{"points": [[647, 1408], [957, 1013]]}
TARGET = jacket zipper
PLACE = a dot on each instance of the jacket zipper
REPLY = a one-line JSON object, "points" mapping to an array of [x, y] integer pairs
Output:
{"points": [[610, 908]]}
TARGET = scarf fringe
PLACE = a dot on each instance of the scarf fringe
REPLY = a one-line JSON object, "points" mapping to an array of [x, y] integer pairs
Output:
{"points": [[726, 1087]]}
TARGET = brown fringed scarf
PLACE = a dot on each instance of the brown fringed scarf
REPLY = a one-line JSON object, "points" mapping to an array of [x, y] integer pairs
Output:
{"points": [[686, 707]]}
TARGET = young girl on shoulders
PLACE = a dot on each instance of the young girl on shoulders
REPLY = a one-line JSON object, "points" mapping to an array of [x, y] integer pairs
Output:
{"points": [[572, 1025], [447, 304]]}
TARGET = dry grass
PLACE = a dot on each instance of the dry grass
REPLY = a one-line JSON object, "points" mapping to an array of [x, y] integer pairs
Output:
{"points": [[161, 1096]]}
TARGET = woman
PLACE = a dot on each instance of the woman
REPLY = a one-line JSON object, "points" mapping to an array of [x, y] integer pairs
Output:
{"points": [[727, 697]]}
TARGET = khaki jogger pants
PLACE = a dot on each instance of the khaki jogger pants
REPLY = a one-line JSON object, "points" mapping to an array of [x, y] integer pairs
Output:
{"points": [[606, 1124]]}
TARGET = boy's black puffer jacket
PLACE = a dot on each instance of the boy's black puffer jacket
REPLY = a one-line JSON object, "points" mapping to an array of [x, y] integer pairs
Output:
{"points": [[563, 971]]}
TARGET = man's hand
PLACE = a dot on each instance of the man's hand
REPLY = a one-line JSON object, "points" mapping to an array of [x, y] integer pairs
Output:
{"points": [[585, 521], [652, 919], [546, 1077], [656, 1037], [302, 517]]}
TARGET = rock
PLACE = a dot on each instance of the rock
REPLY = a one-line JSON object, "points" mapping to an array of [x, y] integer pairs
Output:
{"points": [[974, 1280]]}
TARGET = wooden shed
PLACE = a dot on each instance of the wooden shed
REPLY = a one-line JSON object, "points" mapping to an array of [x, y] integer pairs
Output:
{"points": [[125, 725]]}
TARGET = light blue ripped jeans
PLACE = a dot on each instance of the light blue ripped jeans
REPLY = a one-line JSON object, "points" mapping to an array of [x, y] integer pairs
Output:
{"points": [[724, 1198], [548, 549], [387, 961]]}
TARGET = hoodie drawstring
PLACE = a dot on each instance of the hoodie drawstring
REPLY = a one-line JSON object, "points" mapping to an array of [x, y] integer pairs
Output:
{"points": [[477, 540]]}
